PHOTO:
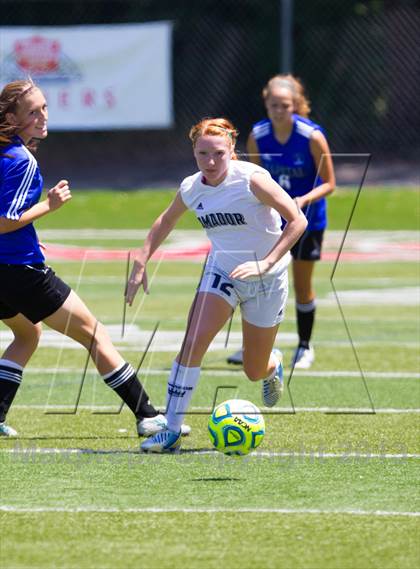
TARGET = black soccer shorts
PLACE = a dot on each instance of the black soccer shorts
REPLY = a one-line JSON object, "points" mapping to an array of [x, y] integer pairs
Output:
{"points": [[32, 290], [309, 246]]}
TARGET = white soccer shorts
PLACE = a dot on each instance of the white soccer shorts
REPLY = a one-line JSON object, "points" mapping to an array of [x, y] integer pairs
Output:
{"points": [[262, 302]]}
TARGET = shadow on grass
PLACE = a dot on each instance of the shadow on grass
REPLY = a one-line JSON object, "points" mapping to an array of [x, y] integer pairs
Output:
{"points": [[217, 479]]}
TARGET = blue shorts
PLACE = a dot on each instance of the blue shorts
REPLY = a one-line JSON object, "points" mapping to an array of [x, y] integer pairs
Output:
{"points": [[262, 302]]}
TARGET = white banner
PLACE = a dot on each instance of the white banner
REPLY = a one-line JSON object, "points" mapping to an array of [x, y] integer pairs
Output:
{"points": [[95, 77]]}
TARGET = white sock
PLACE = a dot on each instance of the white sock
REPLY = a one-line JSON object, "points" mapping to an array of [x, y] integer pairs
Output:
{"points": [[10, 363], [110, 373], [181, 385]]}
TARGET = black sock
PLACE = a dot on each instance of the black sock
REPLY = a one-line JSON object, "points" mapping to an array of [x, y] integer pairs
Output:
{"points": [[126, 384], [10, 380], [305, 316]]}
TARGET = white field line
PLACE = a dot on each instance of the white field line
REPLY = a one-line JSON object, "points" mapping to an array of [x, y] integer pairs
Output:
{"points": [[273, 410], [54, 340], [198, 510], [344, 456], [171, 340], [239, 372], [174, 345]]}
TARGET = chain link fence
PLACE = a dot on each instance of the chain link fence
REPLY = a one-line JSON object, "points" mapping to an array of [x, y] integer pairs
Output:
{"points": [[359, 61], [362, 67]]}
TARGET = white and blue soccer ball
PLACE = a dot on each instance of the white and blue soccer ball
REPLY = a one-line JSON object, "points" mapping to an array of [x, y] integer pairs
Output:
{"points": [[236, 427]]}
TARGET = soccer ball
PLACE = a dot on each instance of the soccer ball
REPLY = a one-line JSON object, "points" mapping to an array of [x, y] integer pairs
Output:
{"points": [[236, 427]]}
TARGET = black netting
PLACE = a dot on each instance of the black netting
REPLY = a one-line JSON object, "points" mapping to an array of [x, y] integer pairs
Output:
{"points": [[366, 94], [359, 60]]}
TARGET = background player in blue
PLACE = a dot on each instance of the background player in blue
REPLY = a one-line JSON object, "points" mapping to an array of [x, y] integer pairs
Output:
{"points": [[30, 292], [295, 152]]}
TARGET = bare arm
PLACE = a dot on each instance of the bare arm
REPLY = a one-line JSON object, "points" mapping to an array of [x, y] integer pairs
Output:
{"points": [[252, 149], [271, 194], [56, 197], [322, 157], [160, 229]]}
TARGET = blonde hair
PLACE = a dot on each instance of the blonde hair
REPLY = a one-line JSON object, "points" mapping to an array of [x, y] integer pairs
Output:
{"points": [[215, 127], [295, 86], [10, 98]]}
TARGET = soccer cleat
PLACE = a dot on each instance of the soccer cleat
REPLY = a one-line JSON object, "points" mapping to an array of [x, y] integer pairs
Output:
{"points": [[6, 431], [303, 358], [165, 441], [236, 358], [185, 430], [273, 387], [152, 425]]}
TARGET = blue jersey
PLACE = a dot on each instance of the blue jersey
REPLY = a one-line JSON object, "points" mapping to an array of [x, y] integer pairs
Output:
{"points": [[292, 165], [20, 189]]}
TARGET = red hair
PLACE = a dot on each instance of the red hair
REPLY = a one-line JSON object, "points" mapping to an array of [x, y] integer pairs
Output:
{"points": [[215, 127]]}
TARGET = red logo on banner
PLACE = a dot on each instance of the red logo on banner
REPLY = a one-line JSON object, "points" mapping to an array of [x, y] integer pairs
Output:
{"points": [[62, 81], [37, 54]]}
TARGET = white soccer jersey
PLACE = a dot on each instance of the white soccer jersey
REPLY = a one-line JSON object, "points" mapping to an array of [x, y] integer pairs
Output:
{"points": [[239, 227]]}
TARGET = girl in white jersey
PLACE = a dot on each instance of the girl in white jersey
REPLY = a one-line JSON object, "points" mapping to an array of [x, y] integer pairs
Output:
{"points": [[240, 206], [30, 291]]}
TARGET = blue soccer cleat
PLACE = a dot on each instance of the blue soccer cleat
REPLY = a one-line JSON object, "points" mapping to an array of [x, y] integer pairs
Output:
{"points": [[6, 431], [166, 441]]}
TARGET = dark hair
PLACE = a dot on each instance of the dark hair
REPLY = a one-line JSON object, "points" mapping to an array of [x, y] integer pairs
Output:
{"points": [[10, 98]]}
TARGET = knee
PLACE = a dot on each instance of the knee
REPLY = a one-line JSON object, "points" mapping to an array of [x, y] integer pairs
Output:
{"points": [[90, 334], [36, 333], [96, 333], [30, 336], [301, 294], [98, 329]]}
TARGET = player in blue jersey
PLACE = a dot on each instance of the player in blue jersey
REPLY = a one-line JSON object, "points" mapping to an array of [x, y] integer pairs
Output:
{"points": [[295, 152], [30, 291]]}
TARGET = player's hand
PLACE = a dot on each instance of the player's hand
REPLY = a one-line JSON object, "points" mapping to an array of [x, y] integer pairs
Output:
{"points": [[250, 269], [59, 195], [137, 278]]}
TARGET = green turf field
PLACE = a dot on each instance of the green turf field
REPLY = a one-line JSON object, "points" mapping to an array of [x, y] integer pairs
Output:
{"points": [[335, 481], [392, 208]]}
